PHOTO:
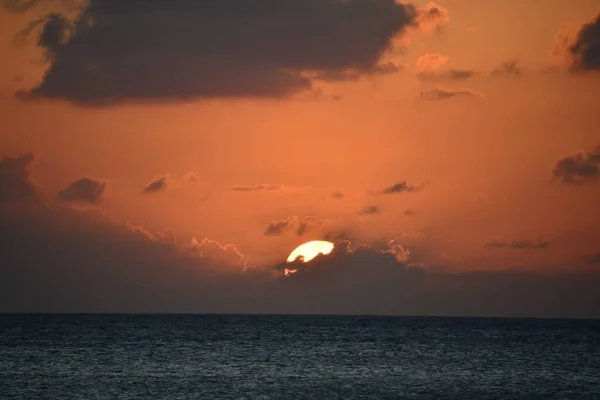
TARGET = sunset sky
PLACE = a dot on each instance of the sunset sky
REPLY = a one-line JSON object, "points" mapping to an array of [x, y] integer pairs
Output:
{"points": [[168, 156]]}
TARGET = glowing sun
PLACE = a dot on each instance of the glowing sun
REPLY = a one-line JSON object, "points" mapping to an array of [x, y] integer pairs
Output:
{"points": [[310, 250]]}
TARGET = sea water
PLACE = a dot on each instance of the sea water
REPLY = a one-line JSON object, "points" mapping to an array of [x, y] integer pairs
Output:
{"points": [[296, 357]]}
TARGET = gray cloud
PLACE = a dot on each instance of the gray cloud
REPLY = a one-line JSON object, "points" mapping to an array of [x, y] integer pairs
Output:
{"points": [[440, 93], [83, 190], [509, 68], [585, 50], [298, 225], [400, 187], [14, 178], [253, 188], [369, 210], [517, 244], [578, 169], [184, 49], [157, 185], [448, 75]]}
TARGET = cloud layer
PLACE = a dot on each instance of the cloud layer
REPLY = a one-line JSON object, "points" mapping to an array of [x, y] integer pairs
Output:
{"points": [[58, 258]]}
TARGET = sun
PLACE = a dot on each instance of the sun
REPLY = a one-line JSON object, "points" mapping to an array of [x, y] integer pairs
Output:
{"points": [[310, 250]]}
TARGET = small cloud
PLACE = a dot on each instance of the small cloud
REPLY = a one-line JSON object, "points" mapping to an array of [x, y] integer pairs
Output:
{"points": [[255, 188], [338, 195], [191, 177], [408, 212], [496, 244], [440, 93], [517, 244], [509, 68], [370, 210], [578, 169], [400, 188], [83, 190], [157, 185], [432, 17], [298, 225], [431, 62]]}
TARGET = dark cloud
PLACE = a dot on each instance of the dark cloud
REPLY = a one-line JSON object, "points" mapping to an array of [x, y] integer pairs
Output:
{"points": [[338, 195], [440, 93], [253, 188], [298, 225], [369, 210], [578, 169], [399, 188], [509, 68], [517, 244], [83, 190], [14, 178], [585, 50], [117, 51], [157, 185]]}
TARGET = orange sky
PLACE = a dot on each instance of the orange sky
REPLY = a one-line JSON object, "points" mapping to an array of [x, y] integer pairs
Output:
{"points": [[484, 157]]}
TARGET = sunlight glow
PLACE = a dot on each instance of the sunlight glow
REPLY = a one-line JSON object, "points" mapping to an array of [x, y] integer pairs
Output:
{"points": [[310, 250]]}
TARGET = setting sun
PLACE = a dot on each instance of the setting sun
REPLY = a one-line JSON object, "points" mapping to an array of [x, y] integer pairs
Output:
{"points": [[310, 250]]}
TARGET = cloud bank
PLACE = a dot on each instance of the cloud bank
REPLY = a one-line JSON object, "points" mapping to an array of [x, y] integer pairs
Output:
{"points": [[58, 258]]}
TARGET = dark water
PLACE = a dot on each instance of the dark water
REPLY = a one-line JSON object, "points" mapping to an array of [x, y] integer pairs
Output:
{"points": [[291, 357]]}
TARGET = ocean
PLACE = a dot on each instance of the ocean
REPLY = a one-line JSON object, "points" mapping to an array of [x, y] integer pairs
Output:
{"points": [[296, 357]]}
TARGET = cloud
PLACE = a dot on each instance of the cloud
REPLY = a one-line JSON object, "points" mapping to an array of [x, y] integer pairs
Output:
{"points": [[431, 62], [180, 49], [432, 17], [400, 187], [441, 93], [370, 210], [408, 212], [55, 258], [14, 178], [517, 244], [83, 190], [254, 188], [509, 68], [430, 67], [350, 75], [578, 169], [298, 225], [338, 195], [585, 50], [157, 185], [592, 258], [348, 258]]}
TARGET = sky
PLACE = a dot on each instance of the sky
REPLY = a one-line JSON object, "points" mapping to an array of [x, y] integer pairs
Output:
{"points": [[169, 156]]}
